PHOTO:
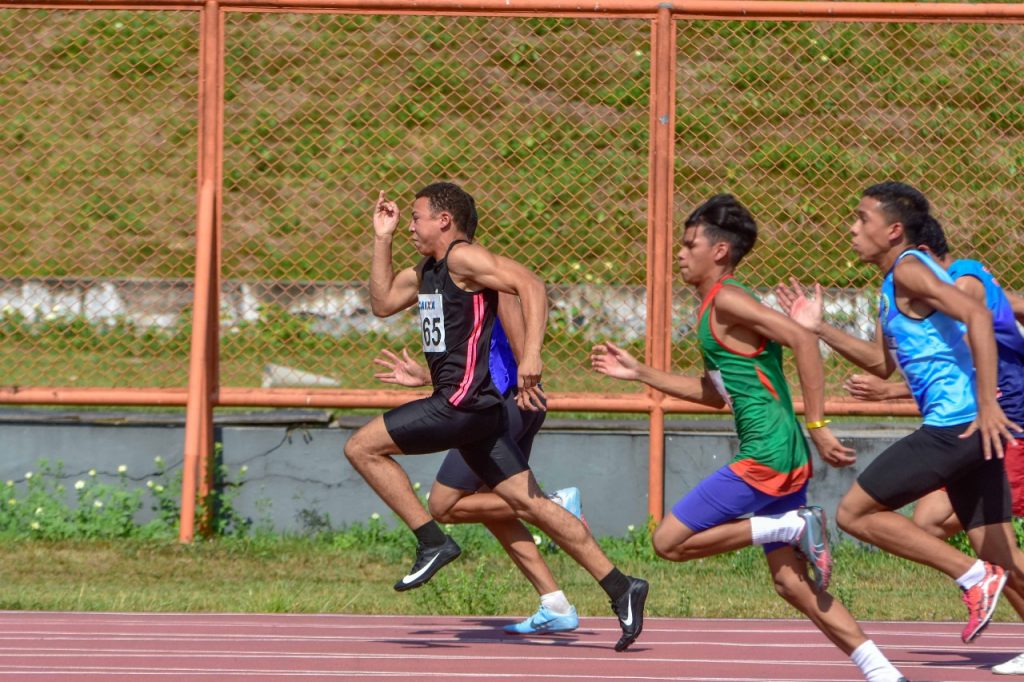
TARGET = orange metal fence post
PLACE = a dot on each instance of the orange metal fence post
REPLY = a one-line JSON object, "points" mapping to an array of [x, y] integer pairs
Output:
{"points": [[214, 166], [659, 277], [199, 412]]}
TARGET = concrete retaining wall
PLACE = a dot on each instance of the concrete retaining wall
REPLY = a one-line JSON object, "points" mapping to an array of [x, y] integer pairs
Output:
{"points": [[295, 471]]}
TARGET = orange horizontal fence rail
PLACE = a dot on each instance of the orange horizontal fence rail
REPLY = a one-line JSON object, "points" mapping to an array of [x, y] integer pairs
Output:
{"points": [[187, 184]]}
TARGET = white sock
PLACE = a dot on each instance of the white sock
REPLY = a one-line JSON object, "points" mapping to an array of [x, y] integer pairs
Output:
{"points": [[973, 575], [778, 528], [873, 663], [555, 602]]}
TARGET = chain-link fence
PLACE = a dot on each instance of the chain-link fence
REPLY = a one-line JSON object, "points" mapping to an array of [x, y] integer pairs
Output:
{"points": [[97, 196], [797, 119], [544, 120]]}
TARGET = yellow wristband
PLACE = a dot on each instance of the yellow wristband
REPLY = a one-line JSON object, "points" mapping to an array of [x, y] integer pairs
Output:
{"points": [[818, 424]]}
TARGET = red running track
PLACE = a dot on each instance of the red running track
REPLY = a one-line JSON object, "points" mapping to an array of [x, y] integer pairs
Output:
{"points": [[142, 646]]}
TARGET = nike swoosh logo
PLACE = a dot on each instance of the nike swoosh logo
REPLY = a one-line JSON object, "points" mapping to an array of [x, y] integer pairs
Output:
{"points": [[413, 576], [628, 620]]}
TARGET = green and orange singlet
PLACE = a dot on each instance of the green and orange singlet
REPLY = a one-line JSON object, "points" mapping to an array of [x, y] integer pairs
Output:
{"points": [[773, 456]]}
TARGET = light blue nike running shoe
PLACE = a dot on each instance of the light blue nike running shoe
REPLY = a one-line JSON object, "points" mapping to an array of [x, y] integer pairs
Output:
{"points": [[569, 499], [545, 621]]}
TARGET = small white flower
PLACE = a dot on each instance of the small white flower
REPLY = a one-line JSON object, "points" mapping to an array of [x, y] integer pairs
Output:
{"points": [[28, 475], [10, 484], [150, 484], [92, 472], [79, 485], [158, 459], [448, 527], [375, 516], [50, 317], [34, 525], [631, 528], [97, 504], [537, 540], [427, 496], [244, 468], [121, 469], [159, 488], [39, 510], [416, 485], [8, 309]]}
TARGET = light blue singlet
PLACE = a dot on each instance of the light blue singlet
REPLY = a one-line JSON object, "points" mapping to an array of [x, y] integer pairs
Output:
{"points": [[932, 353]]}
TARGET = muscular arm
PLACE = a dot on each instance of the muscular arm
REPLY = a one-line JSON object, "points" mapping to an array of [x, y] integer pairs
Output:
{"points": [[388, 293], [868, 355], [738, 314], [736, 310], [510, 312], [479, 268], [613, 361]]}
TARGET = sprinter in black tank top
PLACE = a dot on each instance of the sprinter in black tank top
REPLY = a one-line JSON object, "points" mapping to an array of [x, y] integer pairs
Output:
{"points": [[461, 413], [455, 326]]}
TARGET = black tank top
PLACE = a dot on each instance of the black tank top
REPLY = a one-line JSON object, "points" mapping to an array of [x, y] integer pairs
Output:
{"points": [[455, 326]]}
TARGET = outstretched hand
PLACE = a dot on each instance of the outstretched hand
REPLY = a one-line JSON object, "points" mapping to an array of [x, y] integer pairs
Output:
{"points": [[403, 371], [385, 216], [609, 359], [806, 312]]}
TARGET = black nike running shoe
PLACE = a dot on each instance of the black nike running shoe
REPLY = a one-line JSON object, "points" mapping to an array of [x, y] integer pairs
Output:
{"points": [[630, 610], [429, 560]]}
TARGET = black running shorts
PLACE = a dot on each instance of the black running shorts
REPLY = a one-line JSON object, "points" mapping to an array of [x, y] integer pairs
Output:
{"points": [[433, 425], [936, 456], [522, 428]]}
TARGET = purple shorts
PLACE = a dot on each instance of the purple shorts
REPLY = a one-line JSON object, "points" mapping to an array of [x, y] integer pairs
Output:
{"points": [[723, 496]]}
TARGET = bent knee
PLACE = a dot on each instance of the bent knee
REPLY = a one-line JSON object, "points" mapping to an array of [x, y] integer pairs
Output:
{"points": [[846, 519], [441, 511], [667, 550]]}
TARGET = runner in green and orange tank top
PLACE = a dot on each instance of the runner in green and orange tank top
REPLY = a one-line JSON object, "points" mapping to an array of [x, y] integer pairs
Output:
{"points": [[773, 455], [760, 497]]}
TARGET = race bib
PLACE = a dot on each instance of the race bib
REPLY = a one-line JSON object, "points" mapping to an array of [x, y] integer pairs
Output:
{"points": [[432, 323]]}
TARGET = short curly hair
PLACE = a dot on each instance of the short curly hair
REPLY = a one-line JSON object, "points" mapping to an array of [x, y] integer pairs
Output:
{"points": [[450, 198]]}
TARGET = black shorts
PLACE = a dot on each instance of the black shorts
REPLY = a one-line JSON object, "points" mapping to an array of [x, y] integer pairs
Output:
{"points": [[523, 426], [433, 425], [936, 456]]}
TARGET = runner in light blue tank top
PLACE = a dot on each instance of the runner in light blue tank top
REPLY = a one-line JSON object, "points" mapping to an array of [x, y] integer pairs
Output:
{"points": [[931, 353], [922, 324]]}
